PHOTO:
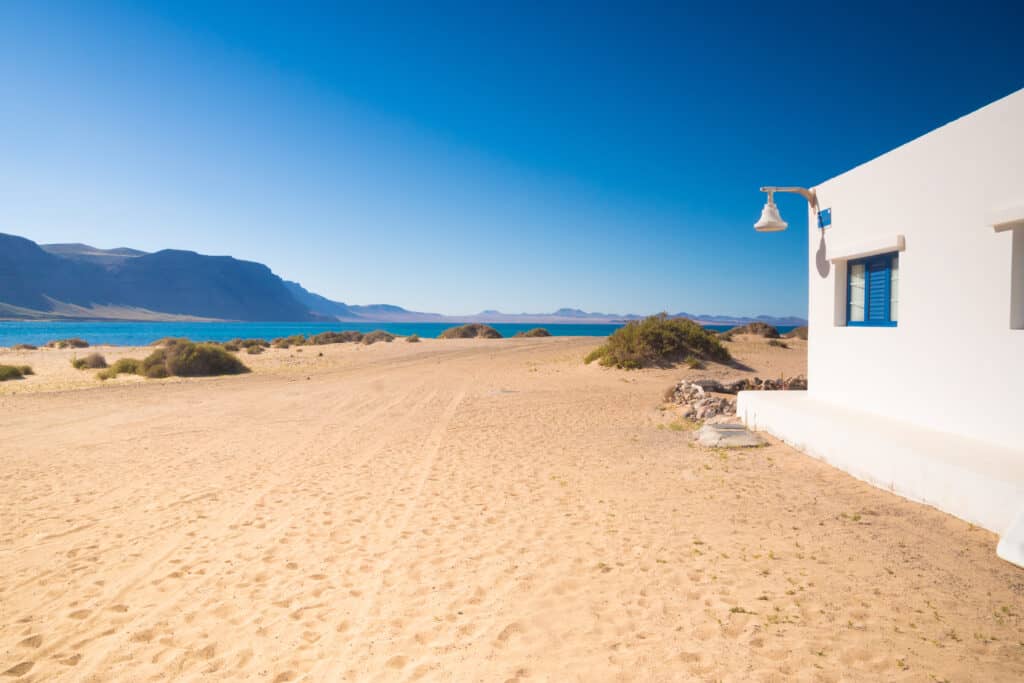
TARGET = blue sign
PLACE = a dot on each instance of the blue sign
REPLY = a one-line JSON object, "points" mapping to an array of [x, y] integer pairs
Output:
{"points": [[824, 218]]}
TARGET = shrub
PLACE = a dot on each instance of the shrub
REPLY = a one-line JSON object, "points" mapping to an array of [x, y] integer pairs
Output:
{"points": [[758, 328], [129, 366], [9, 372], [170, 341], [413, 338], [24, 347], [797, 333], [191, 360], [93, 361], [286, 342], [776, 342], [72, 343], [253, 343], [377, 336], [470, 331], [336, 337], [253, 350], [694, 363], [658, 340], [535, 332], [232, 345]]}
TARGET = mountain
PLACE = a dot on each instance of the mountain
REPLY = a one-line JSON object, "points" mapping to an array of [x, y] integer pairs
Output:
{"points": [[87, 254], [320, 305], [80, 281]]}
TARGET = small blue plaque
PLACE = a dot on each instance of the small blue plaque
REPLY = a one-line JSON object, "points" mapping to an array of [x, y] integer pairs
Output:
{"points": [[824, 218]]}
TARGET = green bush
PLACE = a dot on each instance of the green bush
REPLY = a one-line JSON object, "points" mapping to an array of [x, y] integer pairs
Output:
{"points": [[72, 343], [758, 328], [658, 340], [336, 337], [413, 338], [694, 363], [253, 350], [8, 372], [232, 345], [93, 361], [378, 336], [24, 347], [470, 331], [797, 333], [535, 332]]}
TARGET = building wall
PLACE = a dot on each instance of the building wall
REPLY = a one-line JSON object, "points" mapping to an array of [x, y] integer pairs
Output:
{"points": [[954, 363]]}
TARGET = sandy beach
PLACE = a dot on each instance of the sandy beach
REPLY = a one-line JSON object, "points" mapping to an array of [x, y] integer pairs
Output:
{"points": [[466, 510]]}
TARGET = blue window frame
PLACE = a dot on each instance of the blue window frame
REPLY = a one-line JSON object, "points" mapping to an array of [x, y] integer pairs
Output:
{"points": [[872, 291]]}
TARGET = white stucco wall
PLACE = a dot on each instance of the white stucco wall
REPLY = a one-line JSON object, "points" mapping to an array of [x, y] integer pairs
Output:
{"points": [[953, 363]]}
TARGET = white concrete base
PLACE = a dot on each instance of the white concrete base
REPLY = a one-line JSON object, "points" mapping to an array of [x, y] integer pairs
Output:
{"points": [[1011, 545], [978, 482]]}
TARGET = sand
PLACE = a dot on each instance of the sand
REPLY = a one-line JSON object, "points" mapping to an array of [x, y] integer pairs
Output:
{"points": [[467, 510]]}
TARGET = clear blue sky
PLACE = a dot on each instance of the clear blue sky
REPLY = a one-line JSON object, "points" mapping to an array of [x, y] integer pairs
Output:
{"points": [[455, 157]]}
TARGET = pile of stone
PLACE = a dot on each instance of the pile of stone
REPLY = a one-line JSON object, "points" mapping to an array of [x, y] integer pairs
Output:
{"points": [[697, 402]]}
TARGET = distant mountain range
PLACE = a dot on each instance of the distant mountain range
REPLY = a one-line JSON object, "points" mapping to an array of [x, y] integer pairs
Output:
{"points": [[80, 282]]}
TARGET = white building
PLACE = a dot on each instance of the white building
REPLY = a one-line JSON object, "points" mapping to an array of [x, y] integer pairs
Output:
{"points": [[916, 310]]}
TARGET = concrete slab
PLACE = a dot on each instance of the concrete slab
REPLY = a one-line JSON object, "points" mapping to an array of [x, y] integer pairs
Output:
{"points": [[1011, 545], [728, 435], [980, 482]]}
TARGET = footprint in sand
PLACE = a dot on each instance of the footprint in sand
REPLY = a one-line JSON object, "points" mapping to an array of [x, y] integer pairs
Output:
{"points": [[79, 614], [19, 669], [32, 641], [396, 662], [512, 629]]}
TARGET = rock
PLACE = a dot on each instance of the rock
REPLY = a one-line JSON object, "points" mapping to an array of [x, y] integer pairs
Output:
{"points": [[727, 435]]}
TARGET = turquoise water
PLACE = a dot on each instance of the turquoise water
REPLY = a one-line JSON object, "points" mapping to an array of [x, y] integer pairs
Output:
{"points": [[141, 333]]}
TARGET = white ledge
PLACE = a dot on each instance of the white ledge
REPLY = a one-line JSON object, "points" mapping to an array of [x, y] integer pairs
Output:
{"points": [[1007, 218], [879, 245]]}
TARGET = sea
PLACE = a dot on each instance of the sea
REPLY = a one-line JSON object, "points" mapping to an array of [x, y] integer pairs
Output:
{"points": [[142, 333]]}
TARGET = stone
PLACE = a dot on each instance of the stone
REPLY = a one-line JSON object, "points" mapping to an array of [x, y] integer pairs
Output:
{"points": [[727, 435]]}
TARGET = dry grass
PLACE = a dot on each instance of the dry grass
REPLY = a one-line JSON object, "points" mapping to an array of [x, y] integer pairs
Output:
{"points": [[658, 341], [93, 361], [470, 331]]}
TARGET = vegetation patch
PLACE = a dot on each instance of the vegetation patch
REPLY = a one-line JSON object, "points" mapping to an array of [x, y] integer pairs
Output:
{"points": [[24, 347], [8, 372], [658, 341], [797, 333], [129, 366], [182, 359], [758, 328], [535, 332], [470, 331], [93, 361], [170, 341], [253, 350], [778, 343], [286, 342], [413, 338], [346, 337], [378, 336], [72, 343]]}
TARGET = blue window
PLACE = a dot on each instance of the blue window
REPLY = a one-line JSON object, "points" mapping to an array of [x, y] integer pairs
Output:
{"points": [[872, 291]]}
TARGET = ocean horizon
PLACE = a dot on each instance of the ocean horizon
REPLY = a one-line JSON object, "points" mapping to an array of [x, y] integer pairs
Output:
{"points": [[141, 333]]}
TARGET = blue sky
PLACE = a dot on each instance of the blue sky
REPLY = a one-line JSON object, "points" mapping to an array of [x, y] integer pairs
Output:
{"points": [[454, 157]]}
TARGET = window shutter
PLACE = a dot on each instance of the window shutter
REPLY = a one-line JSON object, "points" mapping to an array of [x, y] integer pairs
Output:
{"points": [[877, 293]]}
